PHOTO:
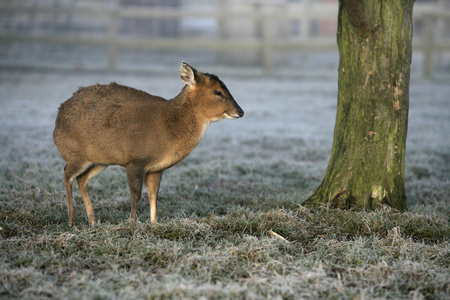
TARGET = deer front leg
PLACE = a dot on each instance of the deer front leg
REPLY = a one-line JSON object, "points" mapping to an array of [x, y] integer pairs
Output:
{"points": [[135, 177], [152, 181]]}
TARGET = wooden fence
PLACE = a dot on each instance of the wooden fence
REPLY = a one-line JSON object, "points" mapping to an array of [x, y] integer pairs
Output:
{"points": [[268, 43]]}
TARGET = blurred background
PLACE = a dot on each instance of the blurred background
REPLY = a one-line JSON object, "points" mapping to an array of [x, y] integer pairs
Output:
{"points": [[248, 37]]}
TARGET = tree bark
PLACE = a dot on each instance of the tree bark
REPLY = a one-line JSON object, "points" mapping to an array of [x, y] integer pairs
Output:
{"points": [[366, 168]]}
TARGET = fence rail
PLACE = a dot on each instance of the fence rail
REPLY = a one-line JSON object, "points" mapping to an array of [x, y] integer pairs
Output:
{"points": [[268, 43]]}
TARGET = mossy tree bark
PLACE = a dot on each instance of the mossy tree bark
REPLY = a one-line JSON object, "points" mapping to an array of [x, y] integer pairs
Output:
{"points": [[366, 168]]}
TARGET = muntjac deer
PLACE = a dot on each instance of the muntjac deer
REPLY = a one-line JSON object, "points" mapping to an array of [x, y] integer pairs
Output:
{"points": [[104, 125]]}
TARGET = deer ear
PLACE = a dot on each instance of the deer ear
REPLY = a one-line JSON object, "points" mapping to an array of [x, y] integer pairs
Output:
{"points": [[187, 74]]}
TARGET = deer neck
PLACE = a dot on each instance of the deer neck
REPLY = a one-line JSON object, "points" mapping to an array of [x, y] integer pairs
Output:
{"points": [[186, 124]]}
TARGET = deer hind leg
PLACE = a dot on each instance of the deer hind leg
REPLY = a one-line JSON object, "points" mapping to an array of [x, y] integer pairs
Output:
{"points": [[135, 177], [83, 186], [71, 171], [152, 181]]}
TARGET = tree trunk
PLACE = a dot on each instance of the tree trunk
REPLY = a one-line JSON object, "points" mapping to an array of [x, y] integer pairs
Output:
{"points": [[366, 168]]}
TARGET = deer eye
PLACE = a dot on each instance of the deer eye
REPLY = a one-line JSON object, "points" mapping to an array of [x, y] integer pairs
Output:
{"points": [[219, 93]]}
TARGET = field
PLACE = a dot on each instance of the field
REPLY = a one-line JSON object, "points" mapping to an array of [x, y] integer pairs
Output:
{"points": [[220, 207]]}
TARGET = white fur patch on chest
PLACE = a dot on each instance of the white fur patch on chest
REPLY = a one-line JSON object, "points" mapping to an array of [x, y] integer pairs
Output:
{"points": [[203, 129]]}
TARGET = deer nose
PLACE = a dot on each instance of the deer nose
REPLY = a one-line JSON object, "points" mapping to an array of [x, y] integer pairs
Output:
{"points": [[240, 111]]}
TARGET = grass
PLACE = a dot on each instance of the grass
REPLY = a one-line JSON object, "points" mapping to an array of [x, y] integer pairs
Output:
{"points": [[217, 210], [330, 254]]}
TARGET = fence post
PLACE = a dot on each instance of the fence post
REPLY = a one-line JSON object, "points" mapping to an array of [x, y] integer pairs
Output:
{"points": [[268, 42], [428, 46], [223, 7], [304, 23], [112, 31]]}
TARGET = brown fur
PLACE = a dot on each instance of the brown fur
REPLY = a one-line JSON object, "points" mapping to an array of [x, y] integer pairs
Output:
{"points": [[112, 124]]}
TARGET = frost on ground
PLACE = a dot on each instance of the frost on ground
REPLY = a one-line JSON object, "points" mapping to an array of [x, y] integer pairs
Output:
{"points": [[245, 178]]}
